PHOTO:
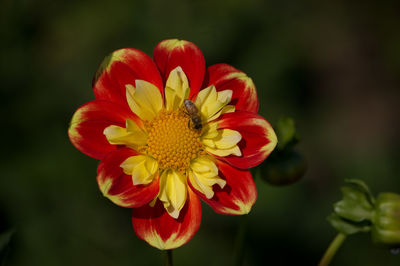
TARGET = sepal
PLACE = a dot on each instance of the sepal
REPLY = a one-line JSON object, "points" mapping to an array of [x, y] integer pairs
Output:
{"points": [[287, 133], [354, 212], [357, 204], [348, 227]]}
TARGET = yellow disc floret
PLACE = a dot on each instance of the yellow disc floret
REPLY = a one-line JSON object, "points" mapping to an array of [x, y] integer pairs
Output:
{"points": [[172, 141]]}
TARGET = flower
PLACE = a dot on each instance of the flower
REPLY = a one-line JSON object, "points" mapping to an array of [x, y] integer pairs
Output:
{"points": [[154, 159]]}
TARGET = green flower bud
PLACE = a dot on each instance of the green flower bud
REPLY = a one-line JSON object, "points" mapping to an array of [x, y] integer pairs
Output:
{"points": [[386, 220], [285, 165]]}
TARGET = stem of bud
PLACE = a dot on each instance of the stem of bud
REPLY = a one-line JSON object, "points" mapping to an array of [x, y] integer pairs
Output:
{"points": [[331, 251]]}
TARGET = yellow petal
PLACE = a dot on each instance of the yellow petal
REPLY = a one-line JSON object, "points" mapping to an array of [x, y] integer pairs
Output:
{"points": [[144, 99], [225, 152], [132, 135], [211, 103], [224, 96], [141, 167], [173, 191], [205, 166], [176, 90], [210, 130], [117, 135], [227, 138], [222, 142], [132, 126], [208, 142], [204, 94], [203, 174], [225, 109]]}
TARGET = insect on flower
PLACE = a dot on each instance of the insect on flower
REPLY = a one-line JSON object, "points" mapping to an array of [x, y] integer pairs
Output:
{"points": [[151, 160], [194, 114]]}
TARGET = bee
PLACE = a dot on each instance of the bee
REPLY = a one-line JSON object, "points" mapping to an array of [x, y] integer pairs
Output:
{"points": [[193, 113]]}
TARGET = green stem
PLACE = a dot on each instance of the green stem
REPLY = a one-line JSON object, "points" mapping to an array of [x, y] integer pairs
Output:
{"points": [[239, 241], [168, 261], [331, 251]]}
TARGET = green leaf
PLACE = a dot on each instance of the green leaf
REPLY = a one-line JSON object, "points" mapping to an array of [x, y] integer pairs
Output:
{"points": [[286, 131], [348, 227]]}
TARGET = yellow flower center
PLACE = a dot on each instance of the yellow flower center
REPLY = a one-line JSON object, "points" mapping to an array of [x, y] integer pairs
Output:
{"points": [[172, 140]]}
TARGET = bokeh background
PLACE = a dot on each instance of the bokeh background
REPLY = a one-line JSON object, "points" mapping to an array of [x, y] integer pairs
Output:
{"points": [[334, 66]]}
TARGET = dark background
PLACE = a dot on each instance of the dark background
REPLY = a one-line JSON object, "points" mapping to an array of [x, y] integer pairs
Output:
{"points": [[334, 67]]}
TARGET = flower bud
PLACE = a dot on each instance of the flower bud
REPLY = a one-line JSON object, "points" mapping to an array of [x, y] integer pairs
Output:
{"points": [[386, 220], [283, 168], [354, 212], [285, 165], [286, 132]]}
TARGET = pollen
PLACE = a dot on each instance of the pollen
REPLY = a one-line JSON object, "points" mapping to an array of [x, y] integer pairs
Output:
{"points": [[172, 140]]}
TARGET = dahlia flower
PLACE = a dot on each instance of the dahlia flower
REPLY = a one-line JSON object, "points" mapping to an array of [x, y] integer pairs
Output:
{"points": [[155, 157]]}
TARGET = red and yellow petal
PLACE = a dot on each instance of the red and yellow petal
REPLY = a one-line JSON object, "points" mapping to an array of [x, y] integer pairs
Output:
{"points": [[169, 54], [123, 67], [258, 138], [155, 226], [118, 187], [237, 196], [90, 120], [226, 77]]}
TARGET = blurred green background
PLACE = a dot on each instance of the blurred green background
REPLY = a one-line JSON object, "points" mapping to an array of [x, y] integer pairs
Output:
{"points": [[333, 66]]}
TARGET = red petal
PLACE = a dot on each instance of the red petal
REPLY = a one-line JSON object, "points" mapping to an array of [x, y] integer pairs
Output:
{"points": [[123, 67], [238, 195], [226, 77], [169, 54], [258, 138], [89, 122], [118, 187], [155, 226]]}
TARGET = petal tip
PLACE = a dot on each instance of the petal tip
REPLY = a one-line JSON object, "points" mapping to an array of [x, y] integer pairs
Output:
{"points": [[170, 44], [273, 141]]}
